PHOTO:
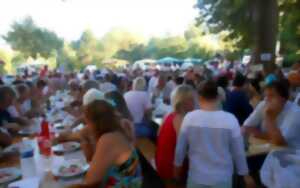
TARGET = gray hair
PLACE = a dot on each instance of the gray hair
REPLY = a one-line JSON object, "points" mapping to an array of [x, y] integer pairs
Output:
{"points": [[179, 94], [139, 84]]}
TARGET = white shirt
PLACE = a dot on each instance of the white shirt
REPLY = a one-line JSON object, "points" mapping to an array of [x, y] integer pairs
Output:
{"points": [[107, 87], [25, 106], [214, 144], [152, 84], [287, 121], [13, 111], [138, 102]]}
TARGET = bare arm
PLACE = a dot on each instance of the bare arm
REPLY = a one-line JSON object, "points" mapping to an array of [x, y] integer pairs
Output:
{"points": [[5, 139], [274, 132], [102, 160], [253, 131]]}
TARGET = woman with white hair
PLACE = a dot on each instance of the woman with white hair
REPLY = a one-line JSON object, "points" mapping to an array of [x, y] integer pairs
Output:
{"points": [[139, 105], [182, 99]]}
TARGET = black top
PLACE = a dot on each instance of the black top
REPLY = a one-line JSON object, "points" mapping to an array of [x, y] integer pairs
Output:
{"points": [[237, 103], [5, 117]]}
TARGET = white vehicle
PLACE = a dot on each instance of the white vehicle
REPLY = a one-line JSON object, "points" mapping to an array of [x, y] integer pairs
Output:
{"points": [[144, 64]]}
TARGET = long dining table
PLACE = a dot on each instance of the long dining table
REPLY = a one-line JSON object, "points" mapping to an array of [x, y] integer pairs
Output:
{"points": [[43, 166]]}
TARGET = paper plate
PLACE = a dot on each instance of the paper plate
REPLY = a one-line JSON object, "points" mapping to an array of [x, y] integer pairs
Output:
{"points": [[66, 147], [70, 170]]}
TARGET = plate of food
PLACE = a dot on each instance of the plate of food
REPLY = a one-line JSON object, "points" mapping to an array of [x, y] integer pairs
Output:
{"points": [[66, 147], [70, 170], [8, 175], [12, 148]]}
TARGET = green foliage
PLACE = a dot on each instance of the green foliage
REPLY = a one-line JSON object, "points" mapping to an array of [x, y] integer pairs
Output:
{"points": [[290, 30], [31, 40], [6, 58], [134, 53], [239, 17], [235, 16], [87, 49]]}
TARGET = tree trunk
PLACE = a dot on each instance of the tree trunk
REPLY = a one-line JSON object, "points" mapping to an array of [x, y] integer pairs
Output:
{"points": [[266, 30]]}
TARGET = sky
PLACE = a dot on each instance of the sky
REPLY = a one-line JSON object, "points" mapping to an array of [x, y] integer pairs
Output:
{"points": [[69, 18]]}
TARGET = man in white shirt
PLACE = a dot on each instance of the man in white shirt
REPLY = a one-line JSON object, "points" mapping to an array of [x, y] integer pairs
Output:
{"points": [[275, 119], [213, 142], [140, 107]]}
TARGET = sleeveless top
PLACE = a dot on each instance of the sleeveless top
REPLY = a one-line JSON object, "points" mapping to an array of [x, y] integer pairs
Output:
{"points": [[165, 150], [127, 175]]}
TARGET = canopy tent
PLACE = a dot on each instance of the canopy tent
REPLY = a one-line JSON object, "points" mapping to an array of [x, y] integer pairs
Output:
{"points": [[193, 61], [145, 61], [144, 64], [169, 60]]}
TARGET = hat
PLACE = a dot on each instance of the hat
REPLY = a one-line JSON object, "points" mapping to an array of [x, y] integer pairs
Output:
{"points": [[91, 95]]}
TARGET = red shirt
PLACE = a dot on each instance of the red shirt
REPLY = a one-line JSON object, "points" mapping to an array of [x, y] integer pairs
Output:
{"points": [[165, 151]]}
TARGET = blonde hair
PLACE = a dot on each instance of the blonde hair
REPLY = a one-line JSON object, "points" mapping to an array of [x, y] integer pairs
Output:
{"points": [[180, 94], [139, 84]]}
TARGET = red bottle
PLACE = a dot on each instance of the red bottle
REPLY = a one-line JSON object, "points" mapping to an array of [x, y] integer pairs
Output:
{"points": [[44, 141]]}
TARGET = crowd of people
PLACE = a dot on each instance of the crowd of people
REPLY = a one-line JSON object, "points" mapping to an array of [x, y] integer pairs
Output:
{"points": [[202, 139]]}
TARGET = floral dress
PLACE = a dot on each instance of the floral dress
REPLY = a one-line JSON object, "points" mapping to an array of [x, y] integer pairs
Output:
{"points": [[127, 175]]}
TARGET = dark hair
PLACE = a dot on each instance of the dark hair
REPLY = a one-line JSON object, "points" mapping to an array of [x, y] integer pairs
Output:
{"points": [[208, 90], [103, 116], [21, 88], [239, 80], [41, 83], [190, 83], [255, 85], [179, 80], [281, 87], [6, 91], [121, 105], [29, 84], [16, 82], [222, 81], [89, 84]]}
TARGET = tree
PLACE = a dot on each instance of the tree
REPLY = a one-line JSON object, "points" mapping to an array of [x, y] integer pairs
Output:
{"points": [[119, 39], [32, 40], [88, 49], [134, 53], [290, 30], [5, 58], [253, 22]]}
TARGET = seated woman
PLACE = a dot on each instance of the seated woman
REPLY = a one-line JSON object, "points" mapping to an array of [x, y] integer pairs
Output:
{"points": [[115, 162], [83, 135], [120, 105], [182, 99], [23, 100]]}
